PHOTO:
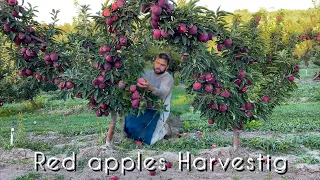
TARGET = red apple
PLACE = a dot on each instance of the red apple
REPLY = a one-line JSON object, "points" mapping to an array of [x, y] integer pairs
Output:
{"points": [[202, 78], [109, 21], [203, 37], [219, 47], [12, 2], [225, 93], [157, 33], [114, 6], [216, 90], [135, 104], [156, 10], [182, 28], [249, 113], [123, 40], [208, 88], [193, 30], [69, 85], [22, 73], [223, 107], [155, 17], [237, 82], [265, 160], [291, 78], [242, 90], [164, 34], [241, 74], [133, 88], [29, 72], [117, 64], [22, 36], [184, 58], [197, 86], [141, 81], [113, 178], [54, 57], [153, 173], [249, 106], [163, 3], [14, 13], [210, 121], [38, 76], [296, 68], [109, 58], [107, 66], [114, 18], [169, 164], [120, 3], [102, 85], [210, 36], [265, 99], [79, 95], [210, 77], [138, 143], [103, 106], [106, 13], [217, 84], [213, 107], [145, 8], [155, 24], [98, 113], [61, 85], [100, 78], [240, 127], [135, 95], [228, 42]]}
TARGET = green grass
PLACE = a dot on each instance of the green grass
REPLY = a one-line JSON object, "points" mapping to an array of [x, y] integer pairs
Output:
{"points": [[29, 176], [80, 124], [308, 72], [289, 143], [306, 92], [190, 142], [309, 159]]}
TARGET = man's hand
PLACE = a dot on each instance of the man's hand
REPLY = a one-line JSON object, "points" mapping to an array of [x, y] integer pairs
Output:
{"points": [[145, 85], [142, 85]]}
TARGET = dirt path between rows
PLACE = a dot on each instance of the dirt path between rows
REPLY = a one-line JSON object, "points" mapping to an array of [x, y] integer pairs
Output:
{"points": [[18, 162]]}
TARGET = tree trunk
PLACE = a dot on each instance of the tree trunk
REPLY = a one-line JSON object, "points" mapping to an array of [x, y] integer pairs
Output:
{"points": [[111, 127], [236, 139]]}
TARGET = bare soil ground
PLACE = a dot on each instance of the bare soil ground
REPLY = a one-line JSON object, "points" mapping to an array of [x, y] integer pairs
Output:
{"points": [[18, 162]]}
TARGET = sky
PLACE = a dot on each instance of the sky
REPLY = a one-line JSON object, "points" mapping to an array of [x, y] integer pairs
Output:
{"points": [[68, 10]]}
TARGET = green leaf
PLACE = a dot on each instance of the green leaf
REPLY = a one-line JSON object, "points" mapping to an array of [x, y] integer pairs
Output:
{"points": [[177, 39], [96, 93], [184, 40]]}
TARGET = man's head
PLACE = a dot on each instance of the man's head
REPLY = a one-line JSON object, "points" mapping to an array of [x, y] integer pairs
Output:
{"points": [[161, 63]]}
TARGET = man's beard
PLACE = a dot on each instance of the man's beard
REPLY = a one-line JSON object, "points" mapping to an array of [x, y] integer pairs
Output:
{"points": [[161, 72]]}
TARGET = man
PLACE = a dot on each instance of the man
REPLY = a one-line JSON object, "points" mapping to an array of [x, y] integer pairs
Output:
{"points": [[150, 127]]}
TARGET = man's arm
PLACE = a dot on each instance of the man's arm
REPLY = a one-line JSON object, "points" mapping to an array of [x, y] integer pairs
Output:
{"points": [[165, 87]]}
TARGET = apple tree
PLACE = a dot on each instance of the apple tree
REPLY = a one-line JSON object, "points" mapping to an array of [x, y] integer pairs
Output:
{"points": [[234, 83]]}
